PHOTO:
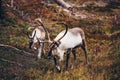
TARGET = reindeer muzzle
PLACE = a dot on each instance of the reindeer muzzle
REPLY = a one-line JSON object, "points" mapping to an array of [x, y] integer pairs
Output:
{"points": [[30, 45], [50, 54]]}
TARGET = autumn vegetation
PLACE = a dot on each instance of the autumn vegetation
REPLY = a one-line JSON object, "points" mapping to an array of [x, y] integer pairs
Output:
{"points": [[98, 18]]}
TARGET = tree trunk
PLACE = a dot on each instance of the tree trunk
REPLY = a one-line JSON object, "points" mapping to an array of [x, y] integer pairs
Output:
{"points": [[11, 3], [62, 3]]}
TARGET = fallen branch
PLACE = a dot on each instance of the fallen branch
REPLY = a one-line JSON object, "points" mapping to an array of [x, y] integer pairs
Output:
{"points": [[63, 3], [3, 45], [115, 34], [12, 62]]}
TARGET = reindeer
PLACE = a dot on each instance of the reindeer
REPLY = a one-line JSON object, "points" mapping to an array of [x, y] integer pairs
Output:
{"points": [[65, 42], [36, 41]]}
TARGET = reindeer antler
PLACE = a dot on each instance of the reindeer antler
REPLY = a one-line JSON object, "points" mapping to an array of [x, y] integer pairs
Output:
{"points": [[65, 31], [47, 33]]}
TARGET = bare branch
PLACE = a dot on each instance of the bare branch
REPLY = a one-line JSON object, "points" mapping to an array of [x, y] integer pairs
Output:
{"points": [[62, 3], [17, 49], [12, 62]]}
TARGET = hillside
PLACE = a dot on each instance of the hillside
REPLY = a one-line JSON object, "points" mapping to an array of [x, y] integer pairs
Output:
{"points": [[99, 19]]}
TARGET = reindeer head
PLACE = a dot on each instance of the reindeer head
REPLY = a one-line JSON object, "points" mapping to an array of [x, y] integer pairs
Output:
{"points": [[32, 40], [35, 39], [55, 44]]}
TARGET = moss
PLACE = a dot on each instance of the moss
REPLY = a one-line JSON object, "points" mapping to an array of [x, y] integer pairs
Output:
{"points": [[98, 9]]}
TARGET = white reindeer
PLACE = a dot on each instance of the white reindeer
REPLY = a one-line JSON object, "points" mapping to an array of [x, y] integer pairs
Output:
{"points": [[65, 42], [36, 41]]}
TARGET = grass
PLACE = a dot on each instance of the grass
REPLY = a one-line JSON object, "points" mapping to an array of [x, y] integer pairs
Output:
{"points": [[103, 64]]}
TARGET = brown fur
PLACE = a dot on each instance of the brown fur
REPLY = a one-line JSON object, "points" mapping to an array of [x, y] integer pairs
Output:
{"points": [[78, 30]]}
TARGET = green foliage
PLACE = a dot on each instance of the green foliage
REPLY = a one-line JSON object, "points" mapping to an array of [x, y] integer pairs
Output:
{"points": [[18, 41], [97, 8], [9, 21], [102, 9], [17, 36], [114, 56]]}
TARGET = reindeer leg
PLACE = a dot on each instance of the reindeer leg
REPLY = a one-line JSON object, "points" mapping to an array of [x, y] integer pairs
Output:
{"points": [[40, 51], [74, 54], [56, 64], [67, 59], [83, 46], [43, 51]]}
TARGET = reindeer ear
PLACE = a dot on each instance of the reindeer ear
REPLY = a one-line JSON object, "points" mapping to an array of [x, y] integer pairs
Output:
{"points": [[28, 35], [31, 28]]}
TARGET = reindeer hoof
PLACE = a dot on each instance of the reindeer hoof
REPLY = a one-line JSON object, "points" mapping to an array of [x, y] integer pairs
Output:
{"points": [[36, 58], [87, 63], [72, 67], [58, 69], [39, 57]]}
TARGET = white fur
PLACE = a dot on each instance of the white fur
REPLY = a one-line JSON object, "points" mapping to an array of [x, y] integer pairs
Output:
{"points": [[40, 35], [69, 41]]}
